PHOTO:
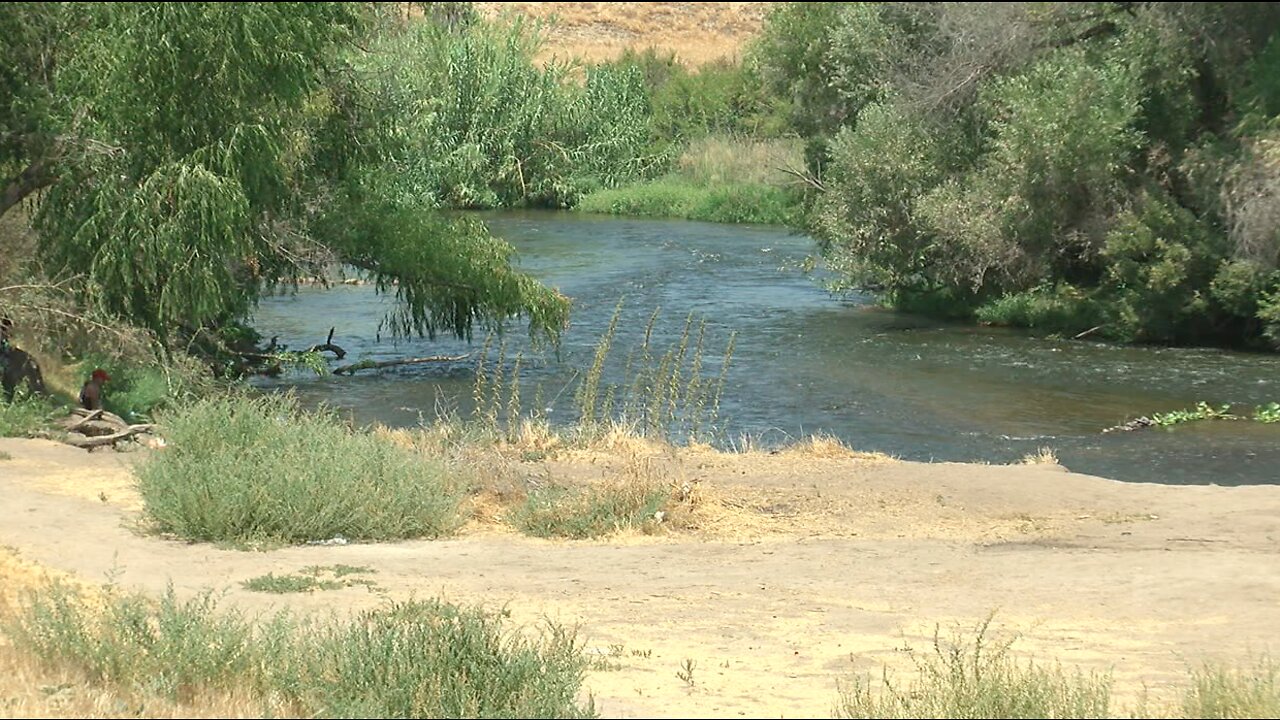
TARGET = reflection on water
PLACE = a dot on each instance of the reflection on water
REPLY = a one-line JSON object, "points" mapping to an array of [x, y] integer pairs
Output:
{"points": [[806, 361]]}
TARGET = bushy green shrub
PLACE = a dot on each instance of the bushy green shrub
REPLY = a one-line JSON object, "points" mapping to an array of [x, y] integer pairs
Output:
{"points": [[247, 469]]}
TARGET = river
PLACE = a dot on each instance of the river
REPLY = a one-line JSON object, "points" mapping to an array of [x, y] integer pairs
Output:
{"points": [[806, 361]]}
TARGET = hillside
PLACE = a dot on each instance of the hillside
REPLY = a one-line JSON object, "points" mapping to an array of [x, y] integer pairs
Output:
{"points": [[697, 33]]}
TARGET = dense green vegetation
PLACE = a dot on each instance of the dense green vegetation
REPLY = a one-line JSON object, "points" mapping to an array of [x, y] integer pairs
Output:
{"points": [[1103, 168], [176, 161], [1081, 168], [727, 142]]}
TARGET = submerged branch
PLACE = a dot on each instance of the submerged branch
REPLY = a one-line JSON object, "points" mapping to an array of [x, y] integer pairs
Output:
{"points": [[372, 365], [328, 345]]}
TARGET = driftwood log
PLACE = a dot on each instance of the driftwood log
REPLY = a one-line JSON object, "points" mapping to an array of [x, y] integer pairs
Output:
{"points": [[97, 428], [372, 365]]}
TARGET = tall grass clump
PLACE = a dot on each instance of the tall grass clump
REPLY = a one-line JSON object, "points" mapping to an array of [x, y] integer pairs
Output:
{"points": [[670, 393], [676, 197], [1226, 692], [431, 659], [978, 679], [663, 391], [170, 648], [247, 469], [415, 659]]}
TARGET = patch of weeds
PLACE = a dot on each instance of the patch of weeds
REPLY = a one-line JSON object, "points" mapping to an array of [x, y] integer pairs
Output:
{"points": [[1219, 691], [1202, 411], [685, 672], [339, 570], [271, 583], [977, 679], [415, 659], [26, 414], [1118, 518], [1043, 456], [310, 580], [607, 661], [1269, 413], [592, 511], [431, 659]]}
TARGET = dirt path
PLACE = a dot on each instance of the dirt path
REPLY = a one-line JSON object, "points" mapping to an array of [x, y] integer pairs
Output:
{"points": [[853, 562]]}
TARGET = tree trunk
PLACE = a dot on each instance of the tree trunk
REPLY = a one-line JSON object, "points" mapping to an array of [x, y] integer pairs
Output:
{"points": [[36, 176]]}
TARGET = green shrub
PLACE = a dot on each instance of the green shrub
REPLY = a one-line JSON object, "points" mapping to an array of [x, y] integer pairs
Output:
{"points": [[281, 584], [26, 414], [1060, 308], [430, 659], [479, 124], [248, 470], [1269, 413]]}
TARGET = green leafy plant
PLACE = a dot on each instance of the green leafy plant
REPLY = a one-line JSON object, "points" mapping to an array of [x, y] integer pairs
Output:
{"points": [[1269, 413], [1202, 411]]}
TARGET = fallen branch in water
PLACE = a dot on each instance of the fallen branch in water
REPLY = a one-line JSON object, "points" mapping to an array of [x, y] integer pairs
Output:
{"points": [[328, 345], [372, 365], [1088, 332]]}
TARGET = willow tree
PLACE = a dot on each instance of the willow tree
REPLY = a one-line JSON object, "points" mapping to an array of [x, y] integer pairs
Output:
{"points": [[184, 157]]}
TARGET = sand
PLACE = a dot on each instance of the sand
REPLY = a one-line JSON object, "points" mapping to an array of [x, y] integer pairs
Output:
{"points": [[816, 567]]}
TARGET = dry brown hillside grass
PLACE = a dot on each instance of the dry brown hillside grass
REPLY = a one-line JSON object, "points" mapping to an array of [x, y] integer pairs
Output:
{"points": [[697, 33]]}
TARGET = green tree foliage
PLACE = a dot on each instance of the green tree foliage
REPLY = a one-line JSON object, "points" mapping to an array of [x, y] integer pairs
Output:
{"points": [[186, 155], [1107, 167], [472, 122]]}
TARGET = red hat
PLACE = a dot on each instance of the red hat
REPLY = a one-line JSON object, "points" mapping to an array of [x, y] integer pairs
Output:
{"points": [[100, 375]]}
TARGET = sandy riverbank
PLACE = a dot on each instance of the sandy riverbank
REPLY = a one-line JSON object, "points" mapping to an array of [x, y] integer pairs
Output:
{"points": [[816, 565]]}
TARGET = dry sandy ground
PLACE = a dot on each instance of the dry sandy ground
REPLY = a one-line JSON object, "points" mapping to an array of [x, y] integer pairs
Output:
{"points": [[697, 33], [832, 565]]}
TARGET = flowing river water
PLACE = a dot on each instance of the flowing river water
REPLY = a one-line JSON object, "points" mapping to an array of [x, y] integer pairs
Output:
{"points": [[807, 362]]}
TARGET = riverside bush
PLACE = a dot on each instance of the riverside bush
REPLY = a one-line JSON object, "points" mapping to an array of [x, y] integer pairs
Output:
{"points": [[244, 469]]}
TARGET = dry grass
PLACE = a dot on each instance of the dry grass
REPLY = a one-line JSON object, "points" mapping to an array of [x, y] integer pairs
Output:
{"points": [[617, 460], [698, 33], [1043, 456], [716, 160], [826, 446]]}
